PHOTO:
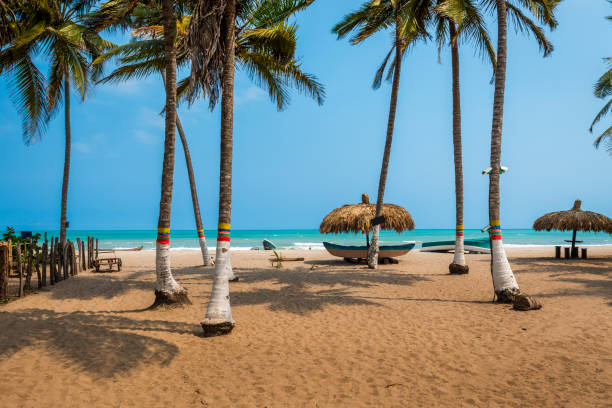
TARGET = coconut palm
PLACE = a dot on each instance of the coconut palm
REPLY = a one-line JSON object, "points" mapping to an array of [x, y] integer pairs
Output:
{"points": [[264, 47], [67, 46], [407, 22], [142, 52], [603, 89], [266, 53], [457, 20], [504, 283], [254, 21]]}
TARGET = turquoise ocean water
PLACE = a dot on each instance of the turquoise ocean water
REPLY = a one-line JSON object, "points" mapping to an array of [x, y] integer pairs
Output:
{"points": [[305, 239]]}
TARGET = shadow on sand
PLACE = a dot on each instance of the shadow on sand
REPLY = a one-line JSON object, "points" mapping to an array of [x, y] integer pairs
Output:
{"points": [[103, 345], [302, 291]]}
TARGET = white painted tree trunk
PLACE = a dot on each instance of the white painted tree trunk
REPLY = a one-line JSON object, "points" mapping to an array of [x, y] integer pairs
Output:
{"points": [[459, 257], [503, 278], [373, 249], [504, 282], [205, 254], [165, 282], [219, 312]]}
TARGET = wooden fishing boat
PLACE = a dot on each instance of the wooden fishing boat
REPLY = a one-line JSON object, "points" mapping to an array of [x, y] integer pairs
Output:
{"points": [[476, 246], [361, 251], [120, 249], [268, 245]]}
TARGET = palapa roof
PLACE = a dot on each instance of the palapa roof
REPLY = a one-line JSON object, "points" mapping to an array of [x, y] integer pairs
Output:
{"points": [[357, 217], [574, 219]]}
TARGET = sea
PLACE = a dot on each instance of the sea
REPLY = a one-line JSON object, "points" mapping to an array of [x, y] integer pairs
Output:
{"points": [[312, 239]]}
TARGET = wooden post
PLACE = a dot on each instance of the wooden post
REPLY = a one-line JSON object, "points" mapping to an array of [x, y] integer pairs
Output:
{"points": [[38, 275], [96, 248], [59, 259], [88, 252], [65, 258], [30, 258], [73, 261], [45, 258], [4, 270], [78, 260], [51, 262], [19, 269], [83, 260], [574, 251]]}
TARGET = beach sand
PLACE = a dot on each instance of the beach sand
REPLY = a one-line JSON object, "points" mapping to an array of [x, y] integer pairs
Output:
{"points": [[319, 333]]}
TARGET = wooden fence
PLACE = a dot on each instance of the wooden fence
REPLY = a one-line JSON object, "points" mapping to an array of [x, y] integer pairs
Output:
{"points": [[52, 261]]}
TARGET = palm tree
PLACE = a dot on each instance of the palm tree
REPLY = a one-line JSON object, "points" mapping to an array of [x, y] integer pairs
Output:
{"points": [[504, 283], [265, 52], [167, 290], [142, 52], [603, 89], [264, 47], [218, 318], [457, 20], [373, 17], [254, 23], [67, 45]]}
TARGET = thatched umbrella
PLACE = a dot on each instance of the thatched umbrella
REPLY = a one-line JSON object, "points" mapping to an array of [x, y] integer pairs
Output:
{"points": [[574, 220], [358, 218]]}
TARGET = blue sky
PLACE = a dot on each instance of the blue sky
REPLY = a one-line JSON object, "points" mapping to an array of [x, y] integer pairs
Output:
{"points": [[292, 167]]}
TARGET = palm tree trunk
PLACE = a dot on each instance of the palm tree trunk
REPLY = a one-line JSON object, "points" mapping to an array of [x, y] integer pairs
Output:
{"points": [[218, 319], [504, 283], [194, 192], [194, 195], [373, 248], [459, 265], [167, 290], [66, 158]]}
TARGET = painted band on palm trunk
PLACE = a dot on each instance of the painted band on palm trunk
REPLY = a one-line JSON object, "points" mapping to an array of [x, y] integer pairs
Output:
{"points": [[223, 232], [495, 231], [163, 236]]}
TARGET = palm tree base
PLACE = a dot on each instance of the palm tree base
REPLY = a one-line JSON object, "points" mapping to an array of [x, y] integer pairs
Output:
{"points": [[170, 299], [458, 269], [507, 295], [525, 302], [217, 329]]}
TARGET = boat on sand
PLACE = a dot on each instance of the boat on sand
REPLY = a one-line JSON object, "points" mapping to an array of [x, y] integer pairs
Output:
{"points": [[475, 246], [361, 251]]}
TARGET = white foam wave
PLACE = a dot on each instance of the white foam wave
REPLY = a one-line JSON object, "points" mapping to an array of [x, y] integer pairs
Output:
{"points": [[308, 245]]}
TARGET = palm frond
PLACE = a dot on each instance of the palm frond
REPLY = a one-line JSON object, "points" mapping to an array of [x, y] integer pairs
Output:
{"points": [[603, 86], [381, 69], [603, 112], [29, 96], [524, 24], [605, 136], [267, 13], [134, 71]]}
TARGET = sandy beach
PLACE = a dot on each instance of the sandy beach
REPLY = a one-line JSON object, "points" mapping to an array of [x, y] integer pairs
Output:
{"points": [[318, 333]]}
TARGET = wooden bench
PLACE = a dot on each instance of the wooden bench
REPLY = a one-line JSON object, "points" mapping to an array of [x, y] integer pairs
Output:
{"points": [[108, 261]]}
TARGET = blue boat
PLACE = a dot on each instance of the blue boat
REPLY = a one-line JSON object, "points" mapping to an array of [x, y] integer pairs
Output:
{"points": [[477, 246], [268, 245], [361, 251]]}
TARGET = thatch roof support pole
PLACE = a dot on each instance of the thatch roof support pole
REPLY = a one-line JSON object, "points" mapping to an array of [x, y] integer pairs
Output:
{"points": [[573, 243]]}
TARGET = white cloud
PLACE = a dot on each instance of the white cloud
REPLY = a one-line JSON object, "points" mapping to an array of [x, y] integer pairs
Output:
{"points": [[251, 94], [81, 147], [145, 137]]}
